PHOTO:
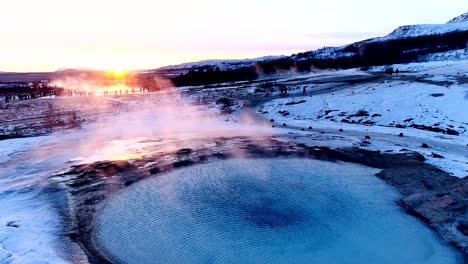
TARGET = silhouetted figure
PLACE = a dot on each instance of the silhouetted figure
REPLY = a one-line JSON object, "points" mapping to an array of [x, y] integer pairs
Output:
{"points": [[397, 71], [304, 90]]}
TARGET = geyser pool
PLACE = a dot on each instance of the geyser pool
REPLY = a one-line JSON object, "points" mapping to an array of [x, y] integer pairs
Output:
{"points": [[265, 211]]}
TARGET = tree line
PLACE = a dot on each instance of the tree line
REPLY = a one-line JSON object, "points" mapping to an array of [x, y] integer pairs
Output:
{"points": [[363, 55]]}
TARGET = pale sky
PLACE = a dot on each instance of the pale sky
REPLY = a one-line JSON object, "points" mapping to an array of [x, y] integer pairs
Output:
{"points": [[45, 35]]}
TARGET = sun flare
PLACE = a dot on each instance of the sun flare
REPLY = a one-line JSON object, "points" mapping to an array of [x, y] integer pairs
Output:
{"points": [[118, 72]]}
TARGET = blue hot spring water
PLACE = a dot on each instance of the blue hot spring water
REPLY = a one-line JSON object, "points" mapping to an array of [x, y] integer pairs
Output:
{"points": [[265, 211]]}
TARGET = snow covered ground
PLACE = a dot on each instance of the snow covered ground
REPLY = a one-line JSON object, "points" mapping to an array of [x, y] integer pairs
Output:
{"points": [[29, 222], [430, 96], [440, 68], [428, 105], [394, 104]]}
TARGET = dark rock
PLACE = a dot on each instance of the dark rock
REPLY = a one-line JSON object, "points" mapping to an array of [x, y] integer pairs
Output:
{"points": [[365, 143], [310, 127], [341, 130], [437, 156], [400, 135], [329, 111], [434, 209], [184, 151], [424, 145], [284, 124], [433, 196], [367, 137], [13, 224], [360, 113], [377, 160], [272, 120], [154, 170], [451, 132], [296, 102], [73, 235], [447, 131], [225, 102], [368, 123], [128, 183], [182, 163], [463, 227]]}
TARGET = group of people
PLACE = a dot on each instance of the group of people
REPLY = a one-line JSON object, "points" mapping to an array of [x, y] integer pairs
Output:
{"points": [[284, 90], [104, 93], [27, 96], [10, 98]]}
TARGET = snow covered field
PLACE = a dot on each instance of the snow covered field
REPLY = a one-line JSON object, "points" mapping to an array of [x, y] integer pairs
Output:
{"points": [[428, 105]]}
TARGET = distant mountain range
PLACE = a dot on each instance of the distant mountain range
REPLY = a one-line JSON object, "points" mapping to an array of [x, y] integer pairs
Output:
{"points": [[405, 44]]}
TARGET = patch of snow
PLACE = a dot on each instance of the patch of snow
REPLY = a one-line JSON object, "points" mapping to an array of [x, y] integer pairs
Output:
{"points": [[383, 106], [28, 227], [411, 31], [453, 55], [12, 146], [437, 67], [461, 18]]}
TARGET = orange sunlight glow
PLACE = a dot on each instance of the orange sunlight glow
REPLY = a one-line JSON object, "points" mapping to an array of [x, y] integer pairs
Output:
{"points": [[118, 72]]}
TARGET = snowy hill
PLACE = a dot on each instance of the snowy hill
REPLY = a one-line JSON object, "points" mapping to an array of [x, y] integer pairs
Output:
{"points": [[411, 43], [410, 31], [212, 64], [458, 19]]}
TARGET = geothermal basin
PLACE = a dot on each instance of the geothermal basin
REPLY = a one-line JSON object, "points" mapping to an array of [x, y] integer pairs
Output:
{"points": [[282, 210]]}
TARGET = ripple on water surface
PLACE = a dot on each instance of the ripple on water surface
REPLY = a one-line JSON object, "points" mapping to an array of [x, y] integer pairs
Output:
{"points": [[265, 211]]}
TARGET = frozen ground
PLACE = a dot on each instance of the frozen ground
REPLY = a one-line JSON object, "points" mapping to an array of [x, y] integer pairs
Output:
{"points": [[29, 223], [431, 95], [427, 106]]}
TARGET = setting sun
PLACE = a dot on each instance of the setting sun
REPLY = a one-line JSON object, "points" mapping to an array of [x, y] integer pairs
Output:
{"points": [[118, 72]]}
